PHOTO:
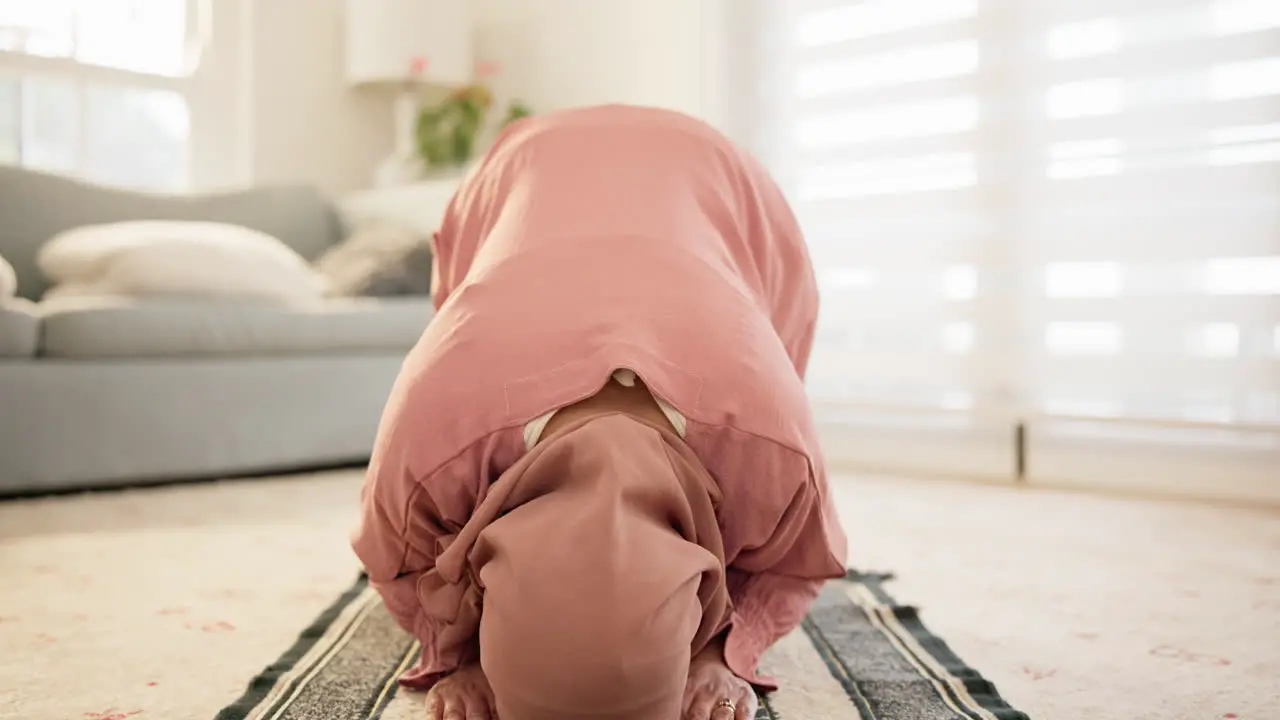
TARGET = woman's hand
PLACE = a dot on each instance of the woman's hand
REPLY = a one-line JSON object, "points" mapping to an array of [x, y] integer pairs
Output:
{"points": [[464, 695], [711, 683]]}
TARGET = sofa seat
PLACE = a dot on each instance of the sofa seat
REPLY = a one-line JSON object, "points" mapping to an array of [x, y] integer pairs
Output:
{"points": [[19, 328], [131, 328]]}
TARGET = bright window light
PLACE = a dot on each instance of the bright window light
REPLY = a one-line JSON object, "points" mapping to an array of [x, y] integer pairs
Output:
{"points": [[918, 64], [1084, 39], [1083, 406], [956, 400], [44, 28], [960, 282], [1083, 279], [1244, 134], [1217, 340], [886, 177], [1083, 338], [1240, 16], [1242, 276], [1101, 96], [145, 36], [878, 17], [1209, 412], [922, 119], [1085, 158], [1091, 167], [848, 277], [1244, 144], [1245, 154], [1251, 78], [1080, 149], [957, 338]]}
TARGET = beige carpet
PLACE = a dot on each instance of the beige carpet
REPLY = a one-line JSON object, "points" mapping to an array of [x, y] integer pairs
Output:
{"points": [[161, 604]]}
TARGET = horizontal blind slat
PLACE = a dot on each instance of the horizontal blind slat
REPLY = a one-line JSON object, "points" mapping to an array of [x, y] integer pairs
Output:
{"points": [[1069, 217]]}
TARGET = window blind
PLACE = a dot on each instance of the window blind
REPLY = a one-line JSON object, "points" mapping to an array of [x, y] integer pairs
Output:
{"points": [[1152, 238], [1060, 215], [1154, 213], [872, 116]]}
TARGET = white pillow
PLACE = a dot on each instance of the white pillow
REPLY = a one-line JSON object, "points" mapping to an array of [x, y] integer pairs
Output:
{"points": [[8, 279], [167, 258]]}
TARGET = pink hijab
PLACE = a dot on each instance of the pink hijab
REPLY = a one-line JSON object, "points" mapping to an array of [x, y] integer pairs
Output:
{"points": [[598, 562]]}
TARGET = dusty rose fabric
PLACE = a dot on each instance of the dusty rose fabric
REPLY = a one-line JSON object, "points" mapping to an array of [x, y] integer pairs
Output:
{"points": [[590, 240], [602, 571]]}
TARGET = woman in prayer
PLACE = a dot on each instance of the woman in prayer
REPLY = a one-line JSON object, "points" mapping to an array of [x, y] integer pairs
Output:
{"points": [[597, 490]]}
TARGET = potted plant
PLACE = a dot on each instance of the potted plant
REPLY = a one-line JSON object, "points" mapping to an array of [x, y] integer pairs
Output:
{"points": [[449, 132]]}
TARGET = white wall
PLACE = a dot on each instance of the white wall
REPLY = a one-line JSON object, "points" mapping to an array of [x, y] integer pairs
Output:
{"points": [[295, 120], [219, 103], [307, 123], [270, 105], [563, 53]]}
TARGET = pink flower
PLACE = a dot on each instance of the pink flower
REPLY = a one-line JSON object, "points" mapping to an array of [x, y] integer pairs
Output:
{"points": [[488, 68], [417, 65]]}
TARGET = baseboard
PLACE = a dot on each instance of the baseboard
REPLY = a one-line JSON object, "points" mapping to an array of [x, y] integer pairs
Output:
{"points": [[147, 483]]}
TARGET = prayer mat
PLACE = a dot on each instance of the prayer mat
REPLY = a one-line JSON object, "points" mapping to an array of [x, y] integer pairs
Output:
{"points": [[858, 655]]}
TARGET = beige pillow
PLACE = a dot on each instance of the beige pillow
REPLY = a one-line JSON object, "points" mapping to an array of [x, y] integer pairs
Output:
{"points": [[176, 258], [8, 279], [379, 260]]}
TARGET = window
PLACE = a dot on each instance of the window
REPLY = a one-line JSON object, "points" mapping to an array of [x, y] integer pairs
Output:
{"points": [[1157, 220], [875, 138], [98, 88], [1046, 207]]}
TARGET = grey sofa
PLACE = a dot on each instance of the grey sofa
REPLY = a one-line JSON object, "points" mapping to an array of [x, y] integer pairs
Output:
{"points": [[123, 391]]}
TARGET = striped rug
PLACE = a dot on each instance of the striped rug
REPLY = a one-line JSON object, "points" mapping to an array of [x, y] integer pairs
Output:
{"points": [[857, 655]]}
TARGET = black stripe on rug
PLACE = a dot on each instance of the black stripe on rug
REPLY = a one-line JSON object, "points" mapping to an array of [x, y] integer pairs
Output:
{"points": [[888, 661], [980, 689], [888, 665], [265, 681]]}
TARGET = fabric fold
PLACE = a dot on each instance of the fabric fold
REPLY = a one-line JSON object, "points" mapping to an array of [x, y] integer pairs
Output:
{"points": [[598, 561]]}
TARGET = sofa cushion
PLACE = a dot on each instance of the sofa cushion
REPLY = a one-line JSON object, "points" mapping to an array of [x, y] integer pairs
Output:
{"points": [[177, 258], [35, 206], [123, 327], [19, 328]]}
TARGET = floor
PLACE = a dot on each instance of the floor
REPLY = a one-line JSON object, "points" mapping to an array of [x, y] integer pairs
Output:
{"points": [[161, 603]]}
